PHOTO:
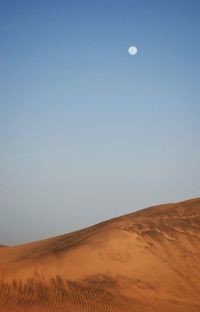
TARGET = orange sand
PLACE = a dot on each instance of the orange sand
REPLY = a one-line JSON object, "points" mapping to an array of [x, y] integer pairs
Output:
{"points": [[147, 261]]}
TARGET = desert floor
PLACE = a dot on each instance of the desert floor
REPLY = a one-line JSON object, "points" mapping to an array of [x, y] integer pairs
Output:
{"points": [[146, 261]]}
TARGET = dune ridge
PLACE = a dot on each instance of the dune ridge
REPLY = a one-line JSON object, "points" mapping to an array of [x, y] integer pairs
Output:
{"points": [[145, 261]]}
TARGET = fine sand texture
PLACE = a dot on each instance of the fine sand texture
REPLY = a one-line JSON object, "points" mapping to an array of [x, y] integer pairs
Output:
{"points": [[146, 261]]}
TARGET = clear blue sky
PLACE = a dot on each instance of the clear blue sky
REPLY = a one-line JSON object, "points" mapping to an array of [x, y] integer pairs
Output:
{"points": [[88, 132]]}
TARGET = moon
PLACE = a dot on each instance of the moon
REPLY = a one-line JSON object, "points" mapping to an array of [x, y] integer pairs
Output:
{"points": [[132, 50]]}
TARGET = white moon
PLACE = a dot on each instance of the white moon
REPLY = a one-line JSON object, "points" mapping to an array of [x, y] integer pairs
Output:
{"points": [[132, 50]]}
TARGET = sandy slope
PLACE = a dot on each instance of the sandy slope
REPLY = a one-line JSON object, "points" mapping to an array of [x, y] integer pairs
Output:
{"points": [[145, 261]]}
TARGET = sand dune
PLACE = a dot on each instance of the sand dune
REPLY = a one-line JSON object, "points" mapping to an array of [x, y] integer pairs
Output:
{"points": [[146, 261]]}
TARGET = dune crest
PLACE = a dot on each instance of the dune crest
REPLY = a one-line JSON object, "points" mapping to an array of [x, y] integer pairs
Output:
{"points": [[145, 261]]}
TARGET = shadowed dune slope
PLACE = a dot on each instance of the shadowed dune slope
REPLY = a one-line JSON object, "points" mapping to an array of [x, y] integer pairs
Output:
{"points": [[145, 261]]}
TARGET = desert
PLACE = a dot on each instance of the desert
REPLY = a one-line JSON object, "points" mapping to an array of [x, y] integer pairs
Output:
{"points": [[145, 261]]}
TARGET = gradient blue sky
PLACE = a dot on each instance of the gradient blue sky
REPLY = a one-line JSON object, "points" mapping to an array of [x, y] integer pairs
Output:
{"points": [[88, 132]]}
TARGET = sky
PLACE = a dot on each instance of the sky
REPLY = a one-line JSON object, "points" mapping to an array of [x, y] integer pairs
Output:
{"points": [[88, 132]]}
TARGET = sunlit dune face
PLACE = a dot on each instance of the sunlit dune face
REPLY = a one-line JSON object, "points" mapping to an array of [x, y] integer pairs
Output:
{"points": [[145, 261]]}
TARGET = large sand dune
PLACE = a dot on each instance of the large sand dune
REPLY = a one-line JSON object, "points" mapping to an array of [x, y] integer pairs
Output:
{"points": [[145, 261]]}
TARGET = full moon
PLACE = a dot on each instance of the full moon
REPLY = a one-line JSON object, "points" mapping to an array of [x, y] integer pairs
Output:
{"points": [[132, 50]]}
